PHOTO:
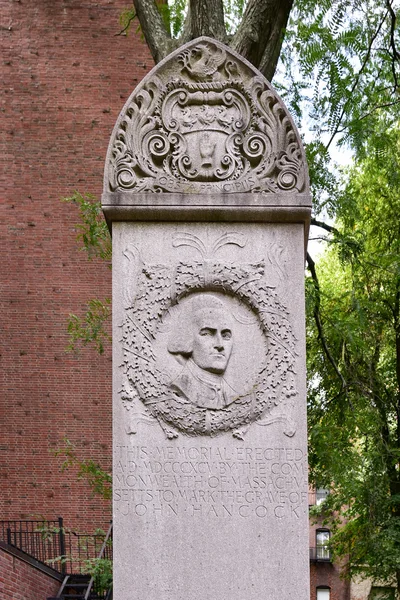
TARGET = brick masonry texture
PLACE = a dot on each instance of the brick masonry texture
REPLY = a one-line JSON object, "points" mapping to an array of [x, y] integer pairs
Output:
{"points": [[21, 581], [326, 574], [66, 74]]}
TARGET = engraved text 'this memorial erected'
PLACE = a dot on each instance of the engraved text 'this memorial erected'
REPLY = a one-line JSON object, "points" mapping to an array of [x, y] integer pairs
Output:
{"points": [[211, 481]]}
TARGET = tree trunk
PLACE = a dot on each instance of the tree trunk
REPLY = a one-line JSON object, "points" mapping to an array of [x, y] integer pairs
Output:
{"points": [[157, 37], [258, 39], [260, 34], [207, 18]]}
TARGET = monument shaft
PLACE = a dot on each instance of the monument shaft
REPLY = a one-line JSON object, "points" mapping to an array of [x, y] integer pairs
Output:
{"points": [[210, 440]]}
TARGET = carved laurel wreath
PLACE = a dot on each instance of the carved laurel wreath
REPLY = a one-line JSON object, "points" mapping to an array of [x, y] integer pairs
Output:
{"points": [[161, 287], [209, 128]]}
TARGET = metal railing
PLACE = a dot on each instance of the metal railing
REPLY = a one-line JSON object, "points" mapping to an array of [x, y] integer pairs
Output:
{"points": [[81, 550], [320, 554], [105, 553], [50, 543], [43, 540]]}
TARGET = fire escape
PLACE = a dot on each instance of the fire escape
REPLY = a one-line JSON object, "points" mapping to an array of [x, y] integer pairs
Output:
{"points": [[82, 563]]}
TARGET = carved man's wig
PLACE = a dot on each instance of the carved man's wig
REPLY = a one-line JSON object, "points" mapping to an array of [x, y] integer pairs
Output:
{"points": [[181, 338]]}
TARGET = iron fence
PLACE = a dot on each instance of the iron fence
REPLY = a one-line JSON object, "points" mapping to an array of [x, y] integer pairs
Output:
{"points": [[51, 543], [81, 550], [320, 554], [44, 540]]}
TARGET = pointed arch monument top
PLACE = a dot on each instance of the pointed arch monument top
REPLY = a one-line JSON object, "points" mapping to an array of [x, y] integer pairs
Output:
{"points": [[204, 123]]}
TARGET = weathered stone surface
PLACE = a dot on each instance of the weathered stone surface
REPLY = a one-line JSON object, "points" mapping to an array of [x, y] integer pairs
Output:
{"points": [[210, 489], [205, 121], [210, 454]]}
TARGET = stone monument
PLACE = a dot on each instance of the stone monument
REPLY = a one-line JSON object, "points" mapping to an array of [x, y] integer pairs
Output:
{"points": [[206, 192]]}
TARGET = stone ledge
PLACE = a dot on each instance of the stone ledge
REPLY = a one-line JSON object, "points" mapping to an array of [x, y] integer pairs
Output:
{"points": [[246, 208]]}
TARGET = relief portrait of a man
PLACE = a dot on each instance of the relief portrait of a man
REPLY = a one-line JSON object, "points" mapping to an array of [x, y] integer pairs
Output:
{"points": [[202, 343]]}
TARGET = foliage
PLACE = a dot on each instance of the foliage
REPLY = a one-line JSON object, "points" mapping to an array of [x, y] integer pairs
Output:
{"points": [[233, 10], [176, 12], [354, 383], [126, 19], [91, 328], [88, 470], [347, 64], [101, 569], [94, 238], [339, 73], [92, 229]]}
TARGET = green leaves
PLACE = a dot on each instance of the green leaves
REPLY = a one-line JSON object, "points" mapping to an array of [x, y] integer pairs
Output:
{"points": [[355, 427], [101, 569], [174, 15], [92, 229], [233, 10], [92, 328], [342, 54], [97, 478], [126, 19]]}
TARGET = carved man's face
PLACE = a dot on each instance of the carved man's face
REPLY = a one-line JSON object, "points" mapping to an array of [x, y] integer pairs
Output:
{"points": [[212, 340]]}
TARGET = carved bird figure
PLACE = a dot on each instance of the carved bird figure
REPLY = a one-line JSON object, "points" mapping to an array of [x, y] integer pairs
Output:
{"points": [[203, 61]]}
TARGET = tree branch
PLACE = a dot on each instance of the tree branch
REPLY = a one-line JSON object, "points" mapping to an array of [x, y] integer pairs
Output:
{"points": [[318, 321], [156, 35], [356, 80], [207, 18], [131, 18], [260, 34], [395, 55], [396, 315], [258, 39], [324, 225]]}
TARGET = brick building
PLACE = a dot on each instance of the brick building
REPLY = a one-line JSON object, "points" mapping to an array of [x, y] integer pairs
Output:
{"points": [[66, 75]]}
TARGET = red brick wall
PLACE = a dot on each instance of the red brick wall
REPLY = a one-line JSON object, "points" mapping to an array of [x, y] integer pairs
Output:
{"points": [[21, 581], [326, 574], [66, 76]]}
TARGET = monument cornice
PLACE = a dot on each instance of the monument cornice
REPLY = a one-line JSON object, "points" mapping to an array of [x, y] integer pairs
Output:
{"points": [[240, 207]]}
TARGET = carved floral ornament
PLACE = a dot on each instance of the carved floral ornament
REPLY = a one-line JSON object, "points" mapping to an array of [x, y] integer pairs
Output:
{"points": [[176, 372], [204, 120]]}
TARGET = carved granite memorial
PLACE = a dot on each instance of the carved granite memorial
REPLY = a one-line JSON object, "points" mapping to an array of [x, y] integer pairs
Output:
{"points": [[202, 123], [206, 191]]}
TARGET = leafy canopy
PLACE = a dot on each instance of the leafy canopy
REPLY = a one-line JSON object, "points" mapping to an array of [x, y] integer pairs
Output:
{"points": [[355, 418]]}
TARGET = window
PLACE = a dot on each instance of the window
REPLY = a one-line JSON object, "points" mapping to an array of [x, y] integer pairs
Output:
{"points": [[320, 495], [322, 539], [317, 495], [323, 593]]}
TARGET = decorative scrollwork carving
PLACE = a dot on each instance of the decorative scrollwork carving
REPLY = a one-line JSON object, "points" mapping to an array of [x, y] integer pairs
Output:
{"points": [[202, 119]]}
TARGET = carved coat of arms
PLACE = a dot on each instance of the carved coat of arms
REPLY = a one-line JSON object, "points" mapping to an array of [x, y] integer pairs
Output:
{"points": [[204, 122]]}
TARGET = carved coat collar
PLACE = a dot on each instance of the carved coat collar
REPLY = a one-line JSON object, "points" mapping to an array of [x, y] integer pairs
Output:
{"points": [[202, 388]]}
